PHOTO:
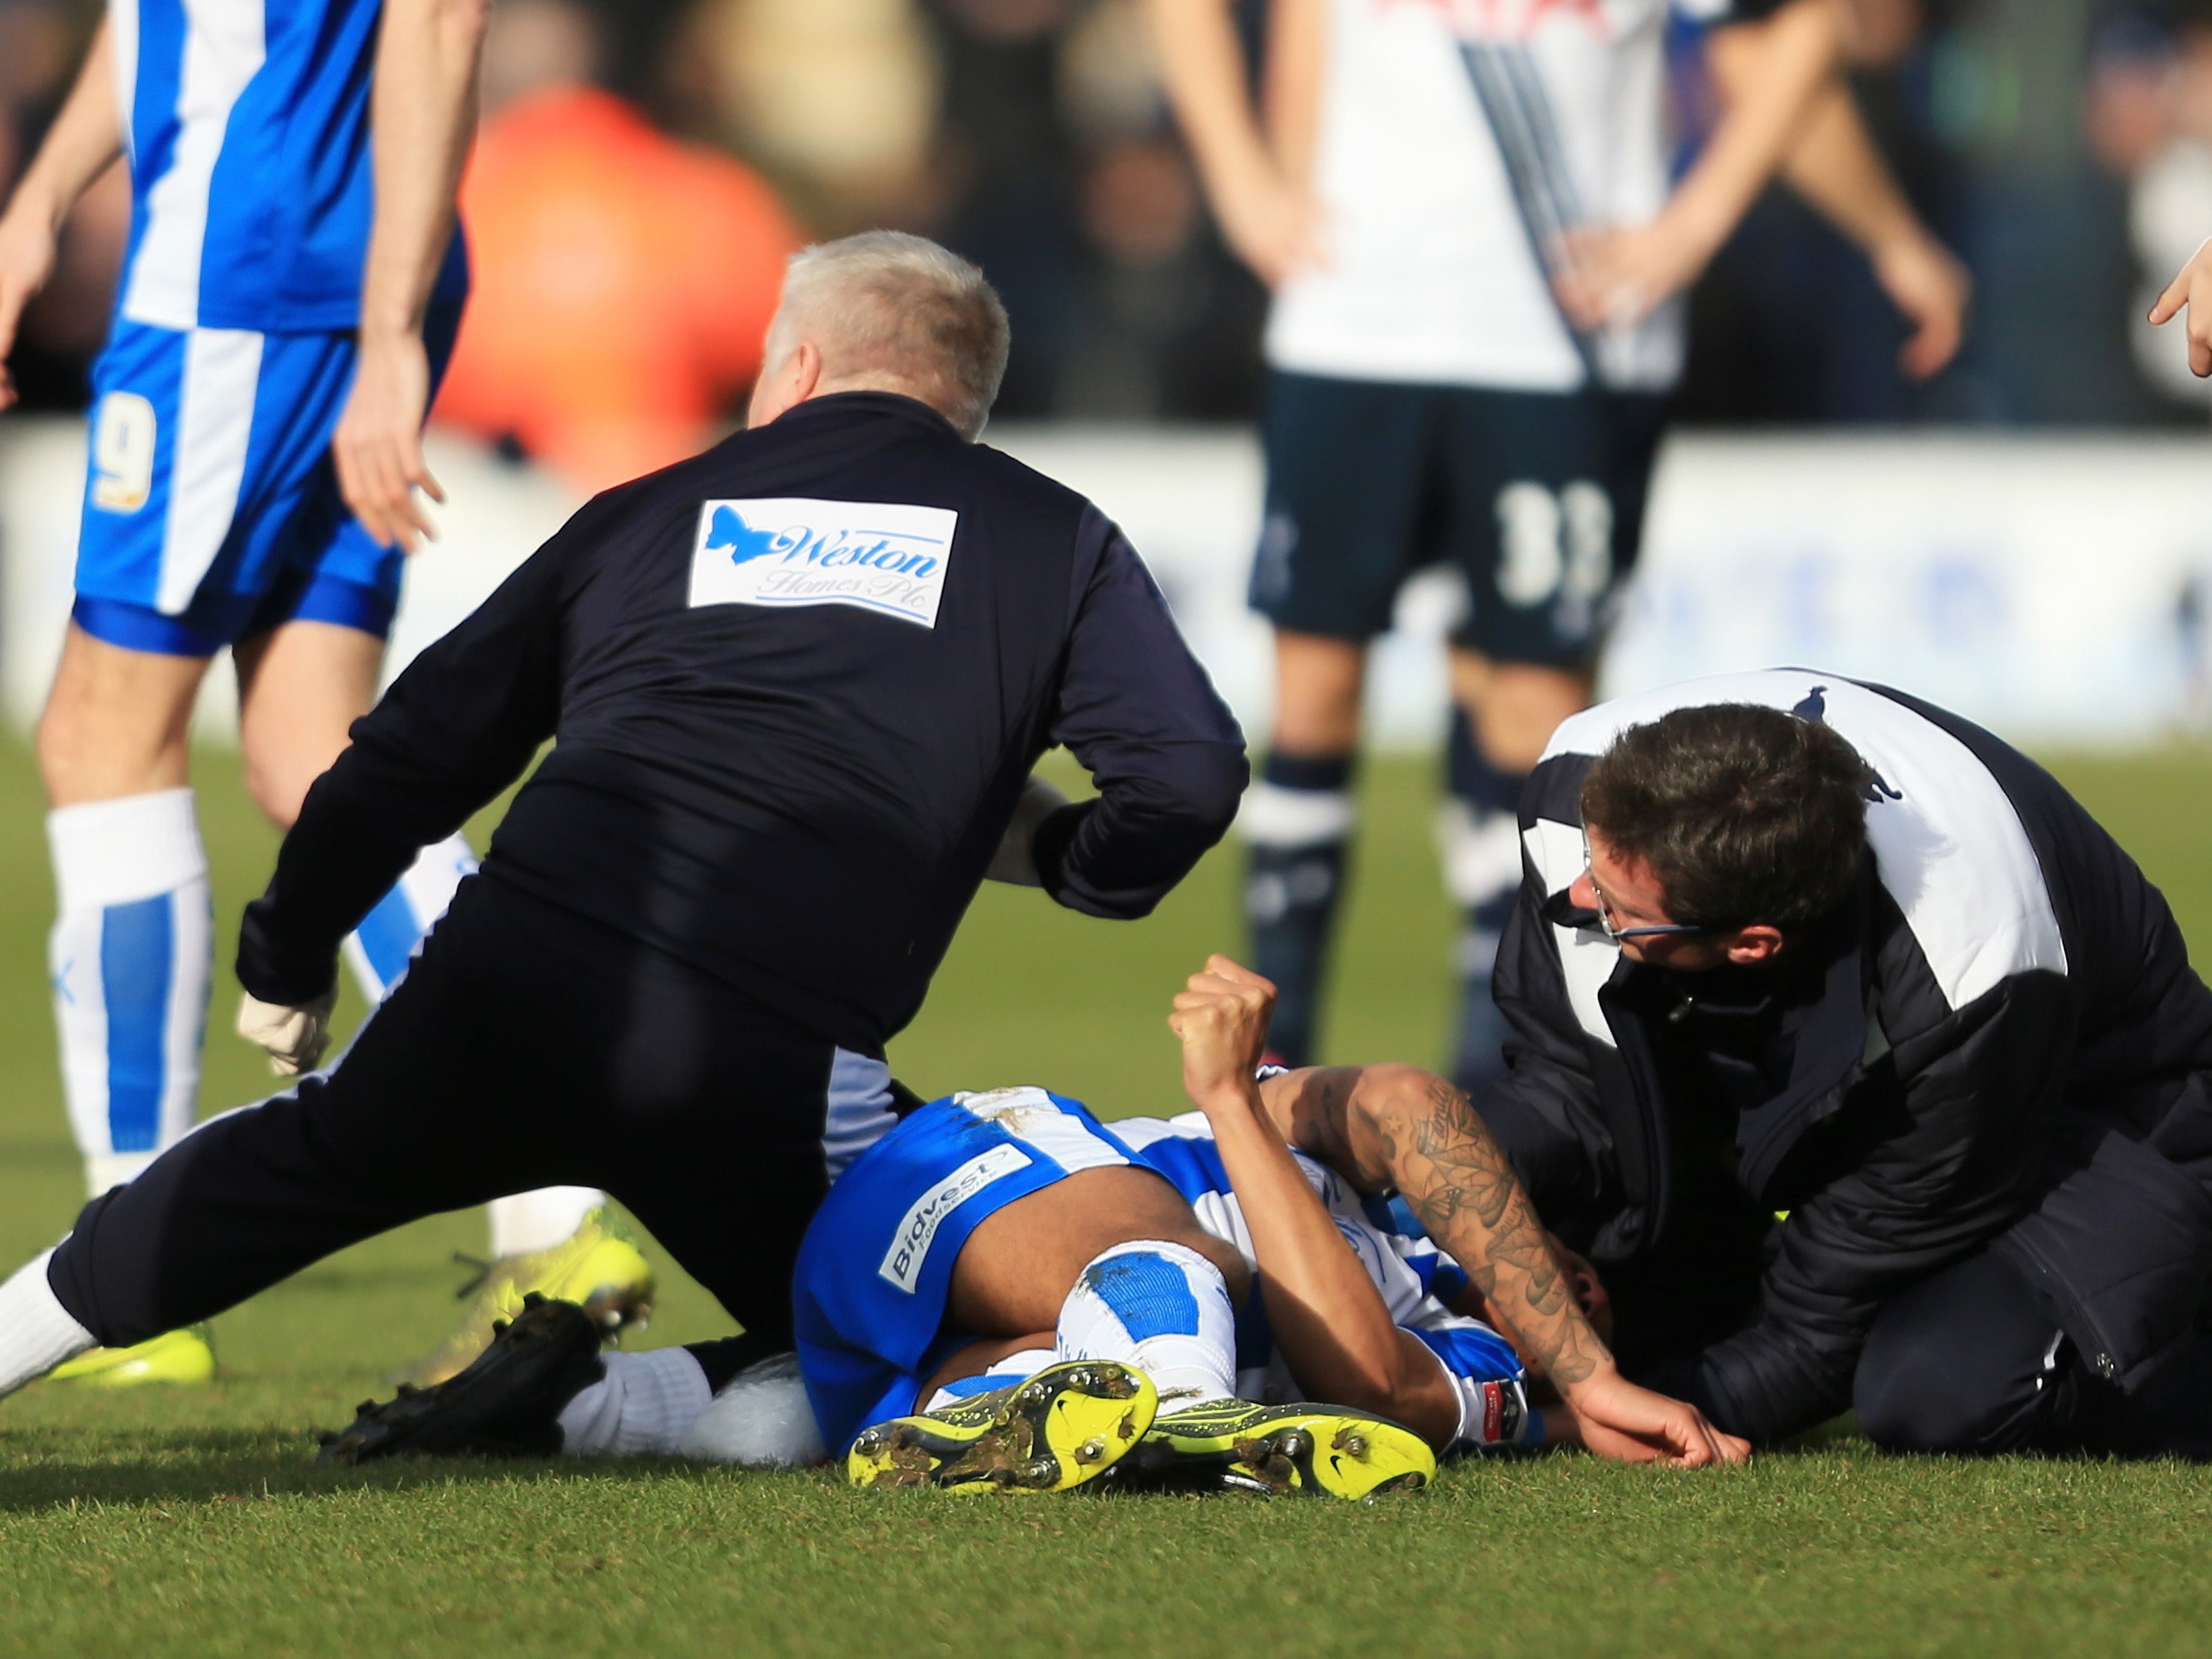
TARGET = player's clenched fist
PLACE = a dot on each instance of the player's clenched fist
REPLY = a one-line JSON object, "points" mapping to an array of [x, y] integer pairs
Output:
{"points": [[1221, 1014], [294, 1037]]}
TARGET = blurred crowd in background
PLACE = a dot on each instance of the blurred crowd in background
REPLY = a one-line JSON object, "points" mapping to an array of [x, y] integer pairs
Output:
{"points": [[644, 167]]}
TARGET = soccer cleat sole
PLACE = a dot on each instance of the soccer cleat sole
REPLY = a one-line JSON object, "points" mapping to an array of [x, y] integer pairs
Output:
{"points": [[1280, 1451], [549, 1352], [1063, 1427]]}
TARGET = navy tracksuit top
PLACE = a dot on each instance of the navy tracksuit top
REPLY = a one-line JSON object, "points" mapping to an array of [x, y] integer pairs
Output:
{"points": [[794, 686]]}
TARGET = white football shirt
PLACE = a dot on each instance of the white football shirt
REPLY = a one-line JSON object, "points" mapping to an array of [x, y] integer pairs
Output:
{"points": [[1431, 276]]}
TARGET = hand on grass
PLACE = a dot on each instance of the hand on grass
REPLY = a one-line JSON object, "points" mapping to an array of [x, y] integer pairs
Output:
{"points": [[1629, 1424]]}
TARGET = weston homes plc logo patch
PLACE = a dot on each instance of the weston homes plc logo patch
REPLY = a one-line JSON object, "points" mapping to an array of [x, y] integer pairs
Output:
{"points": [[790, 551]]}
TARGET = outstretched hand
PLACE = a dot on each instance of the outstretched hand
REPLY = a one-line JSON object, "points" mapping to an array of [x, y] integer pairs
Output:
{"points": [[378, 447], [1631, 1425], [2191, 288], [1221, 1014]]}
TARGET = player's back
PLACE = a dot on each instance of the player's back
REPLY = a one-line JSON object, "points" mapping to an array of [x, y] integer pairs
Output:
{"points": [[247, 127]]}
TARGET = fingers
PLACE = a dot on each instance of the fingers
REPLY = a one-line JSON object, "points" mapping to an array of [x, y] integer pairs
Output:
{"points": [[378, 479], [2176, 295]]}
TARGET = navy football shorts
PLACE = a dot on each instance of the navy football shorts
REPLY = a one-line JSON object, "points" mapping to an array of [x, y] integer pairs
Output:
{"points": [[1537, 496]]}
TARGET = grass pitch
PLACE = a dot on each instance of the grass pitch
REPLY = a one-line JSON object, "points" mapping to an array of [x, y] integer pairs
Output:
{"points": [[153, 1521]]}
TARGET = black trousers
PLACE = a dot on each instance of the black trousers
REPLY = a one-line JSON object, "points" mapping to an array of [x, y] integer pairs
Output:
{"points": [[1973, 1360], [526, 1047]]}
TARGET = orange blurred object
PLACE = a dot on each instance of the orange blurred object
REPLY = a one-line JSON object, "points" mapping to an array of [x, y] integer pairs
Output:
{"points": [[623, 283]]}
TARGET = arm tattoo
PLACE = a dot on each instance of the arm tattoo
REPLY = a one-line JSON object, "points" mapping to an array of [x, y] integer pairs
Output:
{"points": [[1457, 1180]]}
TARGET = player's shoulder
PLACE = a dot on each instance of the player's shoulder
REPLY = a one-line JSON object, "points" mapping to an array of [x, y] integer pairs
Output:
{"points": [[1018, 481]]}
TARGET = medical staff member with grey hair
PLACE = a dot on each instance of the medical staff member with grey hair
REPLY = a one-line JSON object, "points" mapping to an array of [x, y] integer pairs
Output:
{"points": [[796, 686]]}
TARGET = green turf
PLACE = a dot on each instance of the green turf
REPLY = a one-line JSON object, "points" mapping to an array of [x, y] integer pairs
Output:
{"points": [[154, 1521]]}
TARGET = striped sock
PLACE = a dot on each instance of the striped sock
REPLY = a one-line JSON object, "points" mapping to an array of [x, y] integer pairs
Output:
{"points": [[1295, 821], [1478, 836], [130, 956], [1162, 1308]]}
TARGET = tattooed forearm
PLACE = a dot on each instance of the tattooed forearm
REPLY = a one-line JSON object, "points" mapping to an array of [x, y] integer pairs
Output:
{"points": [[1459, 1184]]}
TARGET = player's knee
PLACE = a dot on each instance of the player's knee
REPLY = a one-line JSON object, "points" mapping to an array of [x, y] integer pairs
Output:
{"points": [[1926, 1385], [99, 739], [278, 788], [1520, 705]]}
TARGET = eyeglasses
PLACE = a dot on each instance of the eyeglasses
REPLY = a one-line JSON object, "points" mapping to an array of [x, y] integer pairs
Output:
{"points": [[1614, 931]]}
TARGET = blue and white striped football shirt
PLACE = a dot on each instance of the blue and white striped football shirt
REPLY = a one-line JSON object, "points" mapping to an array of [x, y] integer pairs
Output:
{"points": [[247, 125]]}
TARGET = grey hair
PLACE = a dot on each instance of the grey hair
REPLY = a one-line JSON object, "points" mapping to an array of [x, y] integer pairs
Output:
{"points": [[884, 306]]}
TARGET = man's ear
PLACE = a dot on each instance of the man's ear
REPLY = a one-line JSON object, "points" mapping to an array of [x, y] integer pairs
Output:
{"points": [[787, 386], [1748, 947]]}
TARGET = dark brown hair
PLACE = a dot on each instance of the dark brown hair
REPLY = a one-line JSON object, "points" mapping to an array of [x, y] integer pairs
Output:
{"points": [[1744, 813]]}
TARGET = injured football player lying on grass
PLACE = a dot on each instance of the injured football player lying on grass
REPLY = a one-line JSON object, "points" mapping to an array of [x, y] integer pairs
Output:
{"points": [[1005, 1294]]}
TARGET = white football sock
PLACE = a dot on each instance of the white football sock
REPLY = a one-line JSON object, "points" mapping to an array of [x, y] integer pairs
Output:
{"points": [[1014, 1368], [1162, 1308], [36, 1332], [379, 952], [760, 1419], [380, 949], [130, 957], [643, 1407]]}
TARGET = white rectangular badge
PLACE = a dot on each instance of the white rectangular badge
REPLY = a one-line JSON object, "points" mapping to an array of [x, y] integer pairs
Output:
{"points": [[917, 1229], [791, 550]]}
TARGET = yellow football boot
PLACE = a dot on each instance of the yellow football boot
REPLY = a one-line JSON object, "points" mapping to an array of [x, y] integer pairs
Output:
{"points": [[1068, 1424], [181, 1356], [1301, 1450], [599, 1267]]}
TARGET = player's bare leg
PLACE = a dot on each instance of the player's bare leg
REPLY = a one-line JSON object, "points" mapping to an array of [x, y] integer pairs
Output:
{"points": [[300, 687], [1296, 821], [131, 956]]}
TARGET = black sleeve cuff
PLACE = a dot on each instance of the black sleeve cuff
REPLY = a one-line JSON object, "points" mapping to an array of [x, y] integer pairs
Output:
{"points": [[290, 977], [1049, 842]]}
